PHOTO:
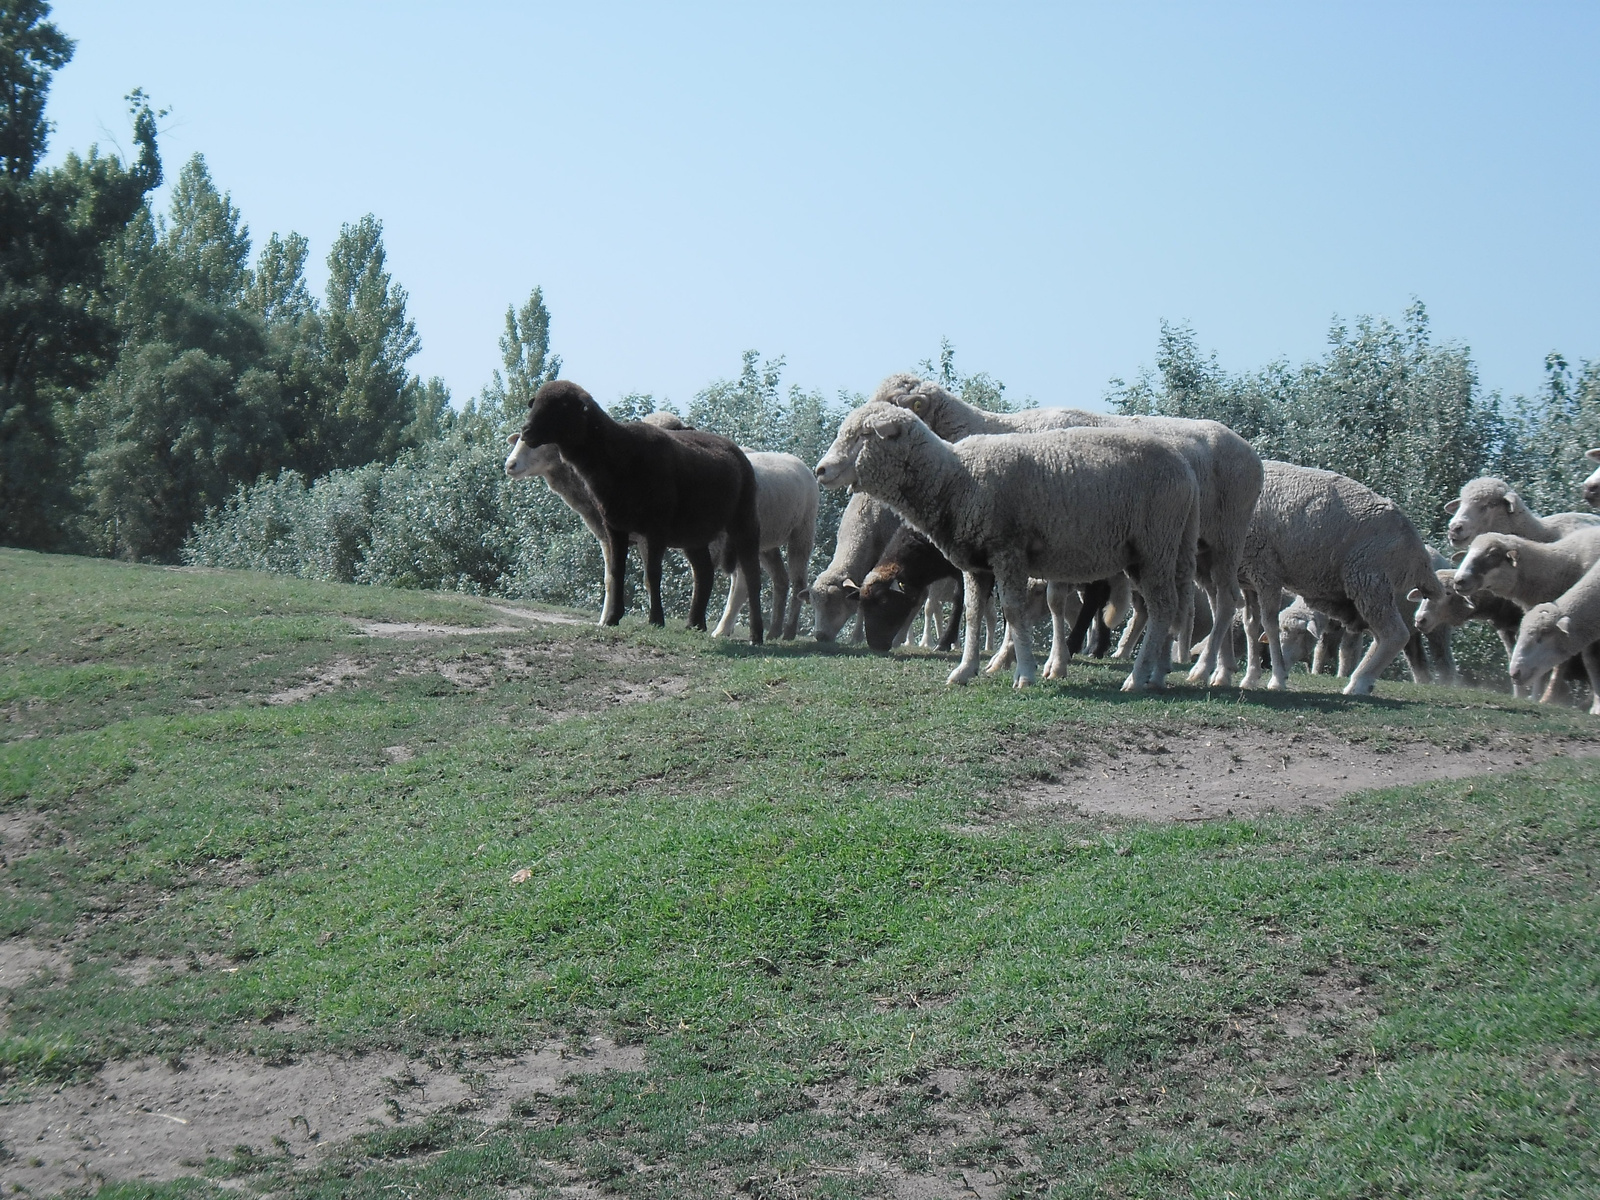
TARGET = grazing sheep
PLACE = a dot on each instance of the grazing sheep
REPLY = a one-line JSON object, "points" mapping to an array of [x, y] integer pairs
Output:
{"points": [[1456, 608], [1554, 632], [1349, 551], [898, 585], [1072, 506], [1488, 505], [679, 489], [864, 533], [1295, 632], [1226, 469], [786, 507]]}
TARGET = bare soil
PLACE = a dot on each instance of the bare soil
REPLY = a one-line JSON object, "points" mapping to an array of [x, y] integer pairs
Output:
{"points": [[323, 679], [1202, 776], [155, 1119]]}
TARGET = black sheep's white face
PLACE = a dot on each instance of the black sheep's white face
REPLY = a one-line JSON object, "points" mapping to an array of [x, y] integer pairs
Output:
{"points": [[525, 461]]}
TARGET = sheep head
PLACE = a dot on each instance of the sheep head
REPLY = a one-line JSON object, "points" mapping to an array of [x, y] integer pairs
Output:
{"points": [[1489, 553], [562, 414], [932, 403], [1484, 506], [886, 605], [833, 603], [874, 421], [1543, 642], [525, 461]]}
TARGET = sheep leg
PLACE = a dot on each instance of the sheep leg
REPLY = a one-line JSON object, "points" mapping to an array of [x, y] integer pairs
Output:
{"points": [[930, 622], [1508, 639], [1254, 634], [604, 539], [1215, 665], [654, 552], [1004, 656], [730, 610], [1559, 689], [1135, 627], [948, 638], [779, 574], [1094, 597], [750, 569], [1061, 597], [616, 564], [976, 597], [1591, 667], [1444, 661], [1389, 636], [1416, 659], [1327, 651], [1271, 606], [1011, 580], [1350, 651]]}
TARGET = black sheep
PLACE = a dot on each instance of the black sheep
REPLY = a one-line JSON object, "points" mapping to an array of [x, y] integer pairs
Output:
{"points": [[896, 588], [678, 490]]}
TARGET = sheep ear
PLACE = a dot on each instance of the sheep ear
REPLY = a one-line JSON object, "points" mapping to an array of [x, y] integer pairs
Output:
{"points": [[1458, 556], [1592, 455], [1511, 555], [1513, 502], [1452, 506], [805, 595], [1467, 604], [1564, 624], [1415, 596], [916, 406], [851, 588], [513, 438], [887, 429]]}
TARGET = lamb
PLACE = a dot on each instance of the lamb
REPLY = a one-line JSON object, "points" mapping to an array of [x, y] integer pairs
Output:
{"points": [[1349, 551], [1226, 469], [864, 533], [679, 489], [1072, 506], [1488, 505], [1458, 607], [1552, 633]]}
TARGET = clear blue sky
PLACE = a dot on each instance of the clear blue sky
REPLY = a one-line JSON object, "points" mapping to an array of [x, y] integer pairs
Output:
{"points": [[846, 184]]}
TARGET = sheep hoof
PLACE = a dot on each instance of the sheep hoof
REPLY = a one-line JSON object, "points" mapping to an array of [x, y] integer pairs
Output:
{"points": [[1196, 673], [960, 675], [1132, 684], [1221, 677], [1277, 684], [1251, 679], [1022, 681], [1357, 687]]}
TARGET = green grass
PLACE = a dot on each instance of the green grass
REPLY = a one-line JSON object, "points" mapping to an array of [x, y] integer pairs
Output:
{"points": [[793, 881]]}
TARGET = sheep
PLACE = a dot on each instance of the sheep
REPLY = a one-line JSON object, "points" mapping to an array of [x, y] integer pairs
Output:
{"points": [[1456, 608], [786, 504], [679, 489], [1591, 485], [1524, 571], [1488, 505], [1553, 632], [786, 508], [1226, 469], [1072, 506], [864, 532], [1349, 551], [892, 591]]}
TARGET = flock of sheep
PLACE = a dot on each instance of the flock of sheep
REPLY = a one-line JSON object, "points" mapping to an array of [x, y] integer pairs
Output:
{"points": [[1092, 518]]}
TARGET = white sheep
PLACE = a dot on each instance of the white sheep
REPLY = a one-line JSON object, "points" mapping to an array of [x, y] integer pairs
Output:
{"points": [[1226, 469], [1524, 571], [786, 507], [1489, 505], [1552, 633], [1349, 551], [1591, 485], [1074, 506]]}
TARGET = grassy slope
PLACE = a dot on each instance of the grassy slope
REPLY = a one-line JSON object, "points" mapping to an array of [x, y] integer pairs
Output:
{"points": [[781, 879]]}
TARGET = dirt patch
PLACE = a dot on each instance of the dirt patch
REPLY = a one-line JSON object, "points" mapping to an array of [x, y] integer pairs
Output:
{"points": [[21, 960], [655, 689], [145, 1120], [1201, 775], [323, 679], [549, 618], [412, 630]]}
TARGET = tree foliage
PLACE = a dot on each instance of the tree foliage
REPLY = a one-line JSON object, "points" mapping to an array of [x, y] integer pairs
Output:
{"points": [[56, 226]]}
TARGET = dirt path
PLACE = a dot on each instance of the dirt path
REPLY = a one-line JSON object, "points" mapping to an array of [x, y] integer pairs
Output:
{"points": [[1246, 773], [144, 1120]]}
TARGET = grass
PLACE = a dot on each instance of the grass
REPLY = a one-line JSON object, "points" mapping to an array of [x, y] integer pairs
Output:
{"points": [[787, 873]]}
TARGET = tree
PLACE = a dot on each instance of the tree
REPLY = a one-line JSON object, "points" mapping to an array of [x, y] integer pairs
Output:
{"points": [[56, 331], [189, 410], [525, 354], [367, 339]]}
